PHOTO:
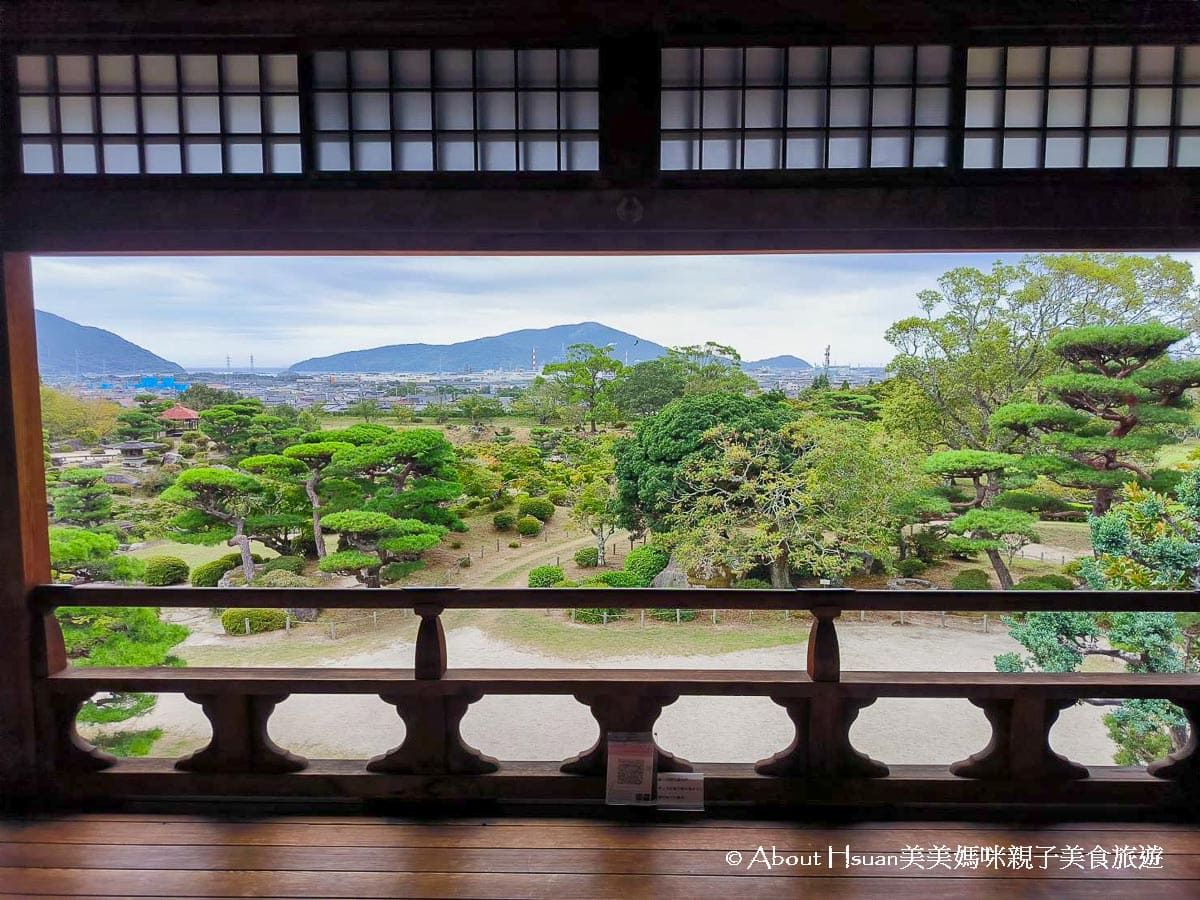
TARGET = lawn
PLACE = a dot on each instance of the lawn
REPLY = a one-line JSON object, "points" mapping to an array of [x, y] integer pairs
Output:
{"points": [[194, 554]]}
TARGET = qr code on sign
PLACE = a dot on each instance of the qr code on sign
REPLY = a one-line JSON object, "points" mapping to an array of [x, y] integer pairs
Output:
{"points": [[631, 771]]}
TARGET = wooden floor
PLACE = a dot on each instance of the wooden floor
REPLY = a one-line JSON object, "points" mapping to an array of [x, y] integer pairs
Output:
{"points": [[176, 856]]}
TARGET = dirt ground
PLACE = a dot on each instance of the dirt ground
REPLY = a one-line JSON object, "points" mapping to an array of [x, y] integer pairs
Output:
{"points": [[697, 728]]}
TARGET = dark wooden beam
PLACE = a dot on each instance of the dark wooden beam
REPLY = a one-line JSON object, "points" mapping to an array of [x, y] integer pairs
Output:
{"points": [[24, 560]]}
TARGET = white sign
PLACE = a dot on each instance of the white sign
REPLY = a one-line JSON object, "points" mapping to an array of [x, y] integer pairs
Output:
{"points": [[681, 790], [631, 760]]}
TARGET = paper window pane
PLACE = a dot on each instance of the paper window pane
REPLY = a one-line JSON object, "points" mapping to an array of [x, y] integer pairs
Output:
{"points": [[679, 109], [979, 151], [1022, 109], [891, 106], [1068, 65], [75, 73], [983, 65], [933, 64], [240, 72], [244, 158], [1155, 65], [33, 74], [498, 155], [581, 154], [333, 154], [35, 115], [764, 109], [889, 150], [410, 68], [331, 112], [579, 68], [160, 115], [762, 152], [850, 65], [373, 154], [1151, 150], [243, 115], [79, 158], [37, 158], [722, 66], [848, 107], [497, 112], [539, 156], [118, 115], [930, 150], [495, 68], [1110, 65], [456, 111], [806, 109], [581, 111], [282, 72], [680, 67], [203, 157], [1106, 151], [847, 151], [538, 110], [1187, 150], [982, 109], [539, 68], [764, 66], [1064, 151], [806, 152], [157, 74], [933, 106], [807, 65], [1026, 65], [720, 153], [1152, 106], [413, 155], [411, 112], [1189, 107], [121, 158], [370, 69], [76, 115], [116, 74], [1066, 107], [329, 69], [371, 111], [677, 155], [163, 158], [457, 154], [1110, 107], [893, 65], [201, 115], [283, 115], [452, 68], [1022, 151], [1189, 67], [199, 73], [285, 157]]}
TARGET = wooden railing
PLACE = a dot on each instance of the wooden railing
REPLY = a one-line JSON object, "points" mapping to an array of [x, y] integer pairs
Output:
{"points": [[820, 766]]}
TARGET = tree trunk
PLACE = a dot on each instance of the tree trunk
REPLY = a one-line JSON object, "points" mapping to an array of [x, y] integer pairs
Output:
{"points": [[901, 544], [990, 490], [1002, 574], [371, 577], [242, 542], [310, 488], [1103, 500], [600, 542], [781, 571]]}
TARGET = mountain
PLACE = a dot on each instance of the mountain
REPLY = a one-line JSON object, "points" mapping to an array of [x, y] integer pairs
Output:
{"points": [[512, 350], [65, 347], [778, 362]]}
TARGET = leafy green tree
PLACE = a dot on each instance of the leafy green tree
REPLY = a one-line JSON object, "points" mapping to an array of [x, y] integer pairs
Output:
{"points": [[66, 417], [200, 397], [1114, 409], [316, 458], [542, 401], [137, 425], [584, 376], [374, 540], [244, 428], [478, 409], [710, 368], [90, 556], [984, 468], [367, 410], [998, 533], [643, 389], [860, 405], [596, 511], [215, 506], [81, 497]]}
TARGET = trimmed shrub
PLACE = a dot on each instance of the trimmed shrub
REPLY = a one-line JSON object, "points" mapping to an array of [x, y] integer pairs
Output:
{"points": [[234, 620], [596, 615], [235, 559], [911, 568], [668, 615], [538, 507], [645, 563], [587, 557], [529, 526], [281, 578], [1045, 583], [504, 521], [513, 545], [545, 576], [565, 583], [617, 579], [753, 584], [971, 580], [1029, 501], [164, 570], [397, 571], [559, 498], [292, 564], [209, 574]]}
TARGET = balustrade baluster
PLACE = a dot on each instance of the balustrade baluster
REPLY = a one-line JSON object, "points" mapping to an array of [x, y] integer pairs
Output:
{"points": [[623, 712], [1019, 748], [240, 741]]}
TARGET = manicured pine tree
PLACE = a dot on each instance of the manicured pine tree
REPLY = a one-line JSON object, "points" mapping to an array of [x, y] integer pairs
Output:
{"points": [[81, 497]]}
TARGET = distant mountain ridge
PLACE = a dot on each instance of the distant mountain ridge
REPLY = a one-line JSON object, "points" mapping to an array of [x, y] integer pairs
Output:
{"points": [[511, 350], [65, 347], [787, 361]]}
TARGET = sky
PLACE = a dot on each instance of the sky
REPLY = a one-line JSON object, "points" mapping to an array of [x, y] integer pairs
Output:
{"points": [[196, 310]]}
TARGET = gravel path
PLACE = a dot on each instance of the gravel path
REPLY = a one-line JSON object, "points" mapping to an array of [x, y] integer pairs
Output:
{"points": [[697, 728]]}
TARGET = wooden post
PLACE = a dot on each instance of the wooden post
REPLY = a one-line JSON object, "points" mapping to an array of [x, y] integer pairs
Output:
{"points": [[430, 654], [824, 655], [34, 646]]}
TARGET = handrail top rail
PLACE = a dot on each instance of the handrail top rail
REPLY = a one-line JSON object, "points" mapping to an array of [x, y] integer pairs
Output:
{"points": [[435, 599]]}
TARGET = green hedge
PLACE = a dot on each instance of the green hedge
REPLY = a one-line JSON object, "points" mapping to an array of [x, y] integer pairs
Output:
{"points": [[208, 575], [165, 570], [293, 564], [911, 567], [645, 563], [559, 498], [545, 576], [587, 557], [595, 615], [538, 507], [504, 521], [1046, 583], [529, 526], [617, 579], [668, 615], [397, 571], [281, 578], [753, 584], [234, 620], [971, 580]]}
